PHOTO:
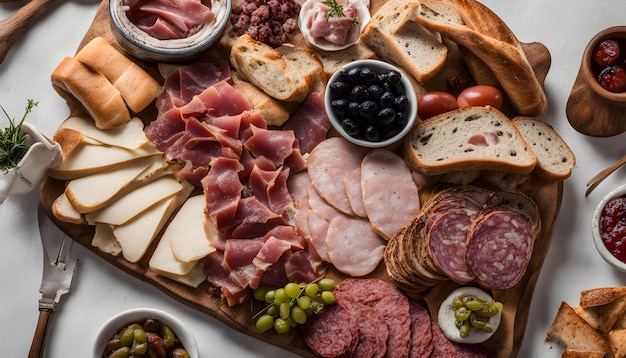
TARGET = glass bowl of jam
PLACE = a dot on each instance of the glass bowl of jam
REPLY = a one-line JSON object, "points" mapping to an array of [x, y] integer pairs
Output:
{"points": [[609, 228]]}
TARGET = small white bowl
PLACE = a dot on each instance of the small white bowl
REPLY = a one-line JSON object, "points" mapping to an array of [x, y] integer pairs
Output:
{"points": [[379, 67], [122, 319], [363, 16], [143, 46], [595, 227], [42, 154]]}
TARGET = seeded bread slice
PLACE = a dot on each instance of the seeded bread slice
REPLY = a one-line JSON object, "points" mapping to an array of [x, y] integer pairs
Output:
{"points": [[472, 138], [268, 70], [555, 159]]}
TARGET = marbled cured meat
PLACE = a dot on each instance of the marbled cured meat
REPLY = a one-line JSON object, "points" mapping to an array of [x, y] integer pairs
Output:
{"points": [[447, 243], [333, 333], [373, 333], [222, 190], [499, 247], [444, 348], [421, 332], [169, 19], [309, 122]]}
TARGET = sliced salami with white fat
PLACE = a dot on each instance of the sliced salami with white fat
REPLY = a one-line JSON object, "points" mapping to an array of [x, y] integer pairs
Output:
{"points": [[353, 248], [390, 195], [328, 164], [499, 247], [447, 243], [333, 333]]}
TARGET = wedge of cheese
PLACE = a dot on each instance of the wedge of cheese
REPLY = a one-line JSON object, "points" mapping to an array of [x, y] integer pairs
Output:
{"points": [[92, 192], [164, 263], [129, 135], [193, 278], [136, 235], [87, 159], [135, 202], [188, 238]]}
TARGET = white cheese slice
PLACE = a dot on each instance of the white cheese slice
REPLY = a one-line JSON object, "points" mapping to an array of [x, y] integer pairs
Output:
{"points": [[135, 202], [193, 279], [136, 235], [87, 159], [129, 135], [164, 263], [92, 192], [104, 240], [187, 236]]}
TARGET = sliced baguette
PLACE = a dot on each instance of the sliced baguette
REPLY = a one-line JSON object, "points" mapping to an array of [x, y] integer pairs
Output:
{"points": [[472, 138], [396, 38], [555, 159], [268, 70]]}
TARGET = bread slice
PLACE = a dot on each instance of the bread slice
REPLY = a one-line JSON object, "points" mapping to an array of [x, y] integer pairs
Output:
{"points": [[569, 329], [472, 138], [268, 70], [555, 159], [307, 63], [577, 353], [334, 60], [603, 317], [396, 38]]}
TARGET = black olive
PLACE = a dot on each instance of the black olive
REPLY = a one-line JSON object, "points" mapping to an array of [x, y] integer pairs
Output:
{"points": [[386, 116], [340, 106], [359, 93], [353, 108], [400, 103], [354, 74], [372, 134], [368, 75], [350, 126], [368, 109], [394, 76], [374, 91], [386, 100], [339, 89]]}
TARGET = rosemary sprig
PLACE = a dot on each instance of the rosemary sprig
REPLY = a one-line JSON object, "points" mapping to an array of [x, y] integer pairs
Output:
{"points": [[13, 145], [337, 10]]}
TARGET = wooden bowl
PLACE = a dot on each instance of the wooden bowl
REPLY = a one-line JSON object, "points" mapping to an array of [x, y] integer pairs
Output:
{"points": [[591, 109]]}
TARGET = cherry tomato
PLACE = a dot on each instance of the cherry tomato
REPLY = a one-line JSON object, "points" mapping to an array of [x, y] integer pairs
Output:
{"points": [[434, 103], [606, 52], [481, 95], [613, 78]]}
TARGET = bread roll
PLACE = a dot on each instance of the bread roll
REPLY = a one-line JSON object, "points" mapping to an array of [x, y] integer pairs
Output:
{"points": [[137, 87], [100, 98]]}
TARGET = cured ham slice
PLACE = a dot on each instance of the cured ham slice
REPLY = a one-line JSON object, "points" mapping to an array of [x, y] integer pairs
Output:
{"points": [[169, 19], [309, 122], [220, 277], [320, 206], [352, 183], [318, 230], [353, 247], [222, 190], [328, 165], [387, 184], [276, 146]]}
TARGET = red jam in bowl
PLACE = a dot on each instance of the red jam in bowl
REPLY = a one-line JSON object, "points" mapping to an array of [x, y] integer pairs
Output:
{"points": [[613, 227]]}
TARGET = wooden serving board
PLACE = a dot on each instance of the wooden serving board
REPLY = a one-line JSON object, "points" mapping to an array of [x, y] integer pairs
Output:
{"points": [[506, 341]]}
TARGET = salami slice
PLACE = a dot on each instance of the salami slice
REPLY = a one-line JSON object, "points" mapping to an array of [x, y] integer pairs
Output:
{"points": [[499, 247], [373, 333], [447, 242], [444, 348], [421, 331], [333, 333]]}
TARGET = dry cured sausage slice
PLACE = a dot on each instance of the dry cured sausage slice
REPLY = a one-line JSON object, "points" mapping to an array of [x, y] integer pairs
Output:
{"points": [[333, 333], [499, 247], [421, 332], [328, 164], [373, 333], [444, 348], [447, 243]]}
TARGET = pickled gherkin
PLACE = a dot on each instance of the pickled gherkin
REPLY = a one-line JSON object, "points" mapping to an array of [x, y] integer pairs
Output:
{"points": [[472, 312]]}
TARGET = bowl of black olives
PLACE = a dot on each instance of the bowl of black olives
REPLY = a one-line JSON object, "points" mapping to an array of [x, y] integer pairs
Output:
{"points": [[370, 103]]}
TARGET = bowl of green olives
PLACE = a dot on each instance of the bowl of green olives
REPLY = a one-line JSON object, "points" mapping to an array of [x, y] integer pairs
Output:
{"points": [[371, 103], [144, 332]]}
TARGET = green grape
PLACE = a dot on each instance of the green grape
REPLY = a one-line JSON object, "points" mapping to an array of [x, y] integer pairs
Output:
{"points": [[272, 310], [270, 296], [292, 323], [292, 290], [328, 297], [280, 296], [265, 323], [326, 284], [283, 310], [311, 289], [259, 293], [304, 302], [298, 315], [281, 325]]}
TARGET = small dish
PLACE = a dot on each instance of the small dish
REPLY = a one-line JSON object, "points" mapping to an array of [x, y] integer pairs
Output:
{"points": [[591, 109], [605, 252], [41, 155], [379, 67], [122, 319], [143, 46], [362, 15]]}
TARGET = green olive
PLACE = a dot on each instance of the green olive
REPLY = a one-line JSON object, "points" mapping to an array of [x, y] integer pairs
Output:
{"points": [[488, 310], [123, 352], [169, 338], [462, 313], [474, 304], [464, 330]]}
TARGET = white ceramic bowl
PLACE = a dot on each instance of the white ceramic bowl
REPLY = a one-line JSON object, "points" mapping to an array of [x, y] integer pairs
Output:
{"points": [[122, 319], [595, 227], [139, 44], [379, 67], [363, 16]]}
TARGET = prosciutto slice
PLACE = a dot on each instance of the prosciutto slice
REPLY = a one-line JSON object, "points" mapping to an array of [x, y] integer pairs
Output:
{"points": [[222, 190], [309, 122], [169, 19]]}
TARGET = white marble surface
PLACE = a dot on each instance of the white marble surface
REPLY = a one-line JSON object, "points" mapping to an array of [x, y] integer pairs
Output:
{"points": [[100, 291]]}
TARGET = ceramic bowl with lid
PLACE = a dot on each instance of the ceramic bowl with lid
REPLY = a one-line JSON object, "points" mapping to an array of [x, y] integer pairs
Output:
{"points": [[138, 315], [610, 216], [142, 45], [400, 126]]}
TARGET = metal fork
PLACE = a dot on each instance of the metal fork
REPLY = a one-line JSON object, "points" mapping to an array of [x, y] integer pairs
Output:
{"points": [[56, 281]]}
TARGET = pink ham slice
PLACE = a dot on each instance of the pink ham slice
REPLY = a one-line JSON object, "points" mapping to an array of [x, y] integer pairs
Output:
{"points": [[309, 122], [387, 186], [220, 277], [169, 19], [352, 182], [318, 230], [222, 190], [328, 164], [353, 248]]}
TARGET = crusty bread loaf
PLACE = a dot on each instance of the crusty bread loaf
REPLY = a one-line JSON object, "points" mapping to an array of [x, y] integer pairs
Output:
{"points": [[396, 38], [273, 112], [472, 138], [268, 70], [137, 87], [555, 159], [97, 95], [307, 63]]}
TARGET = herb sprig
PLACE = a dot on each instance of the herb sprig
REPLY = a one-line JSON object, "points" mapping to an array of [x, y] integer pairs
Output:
{"points": [[337, 10], [13, 145]]}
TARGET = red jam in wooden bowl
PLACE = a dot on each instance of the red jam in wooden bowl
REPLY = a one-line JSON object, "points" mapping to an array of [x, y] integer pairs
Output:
{"points": [[613, 227]]}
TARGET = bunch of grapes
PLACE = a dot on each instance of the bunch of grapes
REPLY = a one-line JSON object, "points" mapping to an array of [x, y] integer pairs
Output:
{"points": [[287, 307]]}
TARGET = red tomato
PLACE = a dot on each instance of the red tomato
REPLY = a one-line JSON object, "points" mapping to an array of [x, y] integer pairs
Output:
{"points": [[434, 103], [480, 95]]}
